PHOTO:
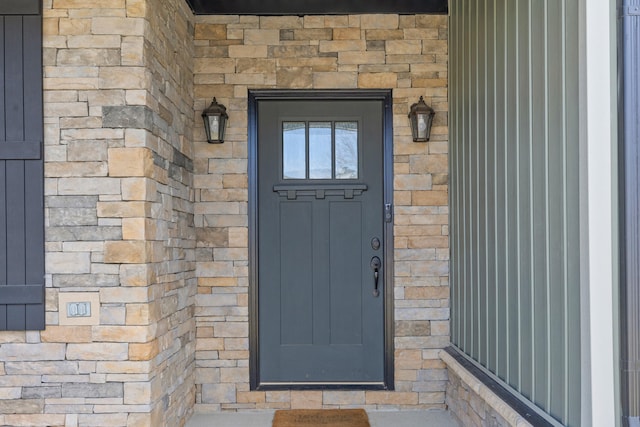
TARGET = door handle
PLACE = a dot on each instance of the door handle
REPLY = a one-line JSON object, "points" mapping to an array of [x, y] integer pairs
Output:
{"points": [[376, 264]]}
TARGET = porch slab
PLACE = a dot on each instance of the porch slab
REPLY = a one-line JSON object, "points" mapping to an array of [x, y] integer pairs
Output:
{"points": [[431, 418]]}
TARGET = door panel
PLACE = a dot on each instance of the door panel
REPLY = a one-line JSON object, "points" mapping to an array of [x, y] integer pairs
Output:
{"points": [[296, 267], [346, 282], [320, 203]]}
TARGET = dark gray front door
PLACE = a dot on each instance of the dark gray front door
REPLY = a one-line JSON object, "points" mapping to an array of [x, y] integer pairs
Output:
{"points": [[320, 241]]}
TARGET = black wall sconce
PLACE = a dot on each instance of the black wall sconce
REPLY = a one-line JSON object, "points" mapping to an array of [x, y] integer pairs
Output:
{"points": [[421, 118], [215, 121]]}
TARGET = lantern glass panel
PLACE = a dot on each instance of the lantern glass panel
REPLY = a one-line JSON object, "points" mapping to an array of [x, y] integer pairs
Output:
{"points": [[422, 126], [214, 127]]}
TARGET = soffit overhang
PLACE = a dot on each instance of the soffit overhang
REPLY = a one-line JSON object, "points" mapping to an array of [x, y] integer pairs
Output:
{"points": [[316, 7]]}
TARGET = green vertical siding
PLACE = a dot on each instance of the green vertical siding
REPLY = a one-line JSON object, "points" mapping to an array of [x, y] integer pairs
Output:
{"points": [[515, 243]]}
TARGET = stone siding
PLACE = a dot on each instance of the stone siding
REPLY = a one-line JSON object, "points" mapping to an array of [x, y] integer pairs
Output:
{"points": [[118, 93], [468, 408], [148, 223], [474, 404], [405, 53]]}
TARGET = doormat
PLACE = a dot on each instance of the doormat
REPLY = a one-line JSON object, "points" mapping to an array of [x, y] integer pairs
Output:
{"points": [[321, 418]]}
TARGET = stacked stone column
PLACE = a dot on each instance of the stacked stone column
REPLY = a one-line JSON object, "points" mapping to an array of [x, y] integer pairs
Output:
{"points": [[120, 235]]}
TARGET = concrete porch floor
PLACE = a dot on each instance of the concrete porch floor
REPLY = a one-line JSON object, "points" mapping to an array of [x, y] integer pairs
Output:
{"points": [[432, 418]]}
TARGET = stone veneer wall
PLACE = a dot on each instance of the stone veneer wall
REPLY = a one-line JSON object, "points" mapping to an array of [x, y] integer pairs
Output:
{"points": [[468, 408], [474, 404], [405, 53], [118, 83]]}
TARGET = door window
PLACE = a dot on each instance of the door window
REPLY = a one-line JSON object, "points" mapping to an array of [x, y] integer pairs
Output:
{"points": [[320, 150]]}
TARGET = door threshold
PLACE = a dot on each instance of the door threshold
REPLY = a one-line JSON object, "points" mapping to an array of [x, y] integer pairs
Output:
{"points": [[321, 385]]}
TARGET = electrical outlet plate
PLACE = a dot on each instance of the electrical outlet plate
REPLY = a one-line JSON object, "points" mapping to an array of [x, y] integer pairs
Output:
{"points": [[79, 308]]}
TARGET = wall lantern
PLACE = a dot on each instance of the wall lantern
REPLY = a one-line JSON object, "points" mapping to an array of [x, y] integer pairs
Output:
{"points": [[421, 118], [215, 120]]}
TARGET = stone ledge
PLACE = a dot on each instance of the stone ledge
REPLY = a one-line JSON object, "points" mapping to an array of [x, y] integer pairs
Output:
{"points": [[498, 405]]}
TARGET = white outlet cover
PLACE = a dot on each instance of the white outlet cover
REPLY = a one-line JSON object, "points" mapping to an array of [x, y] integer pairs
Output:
{"points": [[79, 308]]}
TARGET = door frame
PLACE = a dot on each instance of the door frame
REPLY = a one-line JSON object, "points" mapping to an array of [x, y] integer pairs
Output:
{"points": [[254, 97]]}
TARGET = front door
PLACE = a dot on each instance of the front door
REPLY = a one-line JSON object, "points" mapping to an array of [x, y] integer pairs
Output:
{"points": [[320, 240]]}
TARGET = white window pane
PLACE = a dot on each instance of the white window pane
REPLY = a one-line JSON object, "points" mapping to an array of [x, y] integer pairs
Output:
{"points": [[294, 159], [346, 150], [320, 150]]}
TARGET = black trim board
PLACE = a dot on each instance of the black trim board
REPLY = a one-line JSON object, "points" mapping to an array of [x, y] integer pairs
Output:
{"points": [[316, 7], [20, 7], [516, 404], [22, 294], [23, 150]]}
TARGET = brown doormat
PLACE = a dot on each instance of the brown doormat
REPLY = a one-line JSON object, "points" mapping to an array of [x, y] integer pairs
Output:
{"points": [[321, 418]]}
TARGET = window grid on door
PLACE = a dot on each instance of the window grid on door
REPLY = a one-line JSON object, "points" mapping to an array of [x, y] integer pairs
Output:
{"points": [[320, 150]]}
